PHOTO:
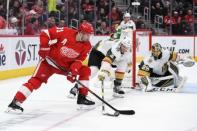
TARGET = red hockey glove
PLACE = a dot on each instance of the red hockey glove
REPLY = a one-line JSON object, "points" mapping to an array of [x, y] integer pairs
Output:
{"points": [[43, 52], [74, 67], [71, 77]]}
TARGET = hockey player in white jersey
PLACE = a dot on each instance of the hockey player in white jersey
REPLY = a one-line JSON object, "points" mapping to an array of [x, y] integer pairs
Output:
{"points": [[159, 71], [126, 27], [119, 55]]}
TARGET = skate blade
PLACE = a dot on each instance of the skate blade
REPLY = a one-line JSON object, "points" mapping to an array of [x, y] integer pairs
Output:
{"points": [[116, 95], [71, 96], [13, 111], [85, 107]]}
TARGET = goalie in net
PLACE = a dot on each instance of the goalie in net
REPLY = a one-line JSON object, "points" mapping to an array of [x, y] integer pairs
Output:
{"points": [[159, 71]]}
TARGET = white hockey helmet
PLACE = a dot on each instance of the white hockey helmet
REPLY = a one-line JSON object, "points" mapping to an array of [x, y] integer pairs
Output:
{"points": [[126, 42], [126, 15]]}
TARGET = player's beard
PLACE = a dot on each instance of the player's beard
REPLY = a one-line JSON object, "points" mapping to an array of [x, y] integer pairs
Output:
{"points": [[83, 37], [78, 37]]}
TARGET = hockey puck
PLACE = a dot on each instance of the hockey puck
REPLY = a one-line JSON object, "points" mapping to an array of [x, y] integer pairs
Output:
{"points": [[110, 114], [116, 113]]}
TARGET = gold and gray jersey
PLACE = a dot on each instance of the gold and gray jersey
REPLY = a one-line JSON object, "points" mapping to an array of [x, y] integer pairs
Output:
{"points": [[116, 56], [158, 66]]}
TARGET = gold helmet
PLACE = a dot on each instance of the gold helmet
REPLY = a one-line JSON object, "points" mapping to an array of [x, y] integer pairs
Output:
{"points": [[156, 50]]}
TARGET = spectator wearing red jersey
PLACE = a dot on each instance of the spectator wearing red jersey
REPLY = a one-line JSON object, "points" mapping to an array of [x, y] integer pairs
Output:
{"points": [[115, 15], [32, 27]]}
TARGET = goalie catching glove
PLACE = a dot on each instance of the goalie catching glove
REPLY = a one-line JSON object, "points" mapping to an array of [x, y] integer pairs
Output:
{"points": [[103, 74]]}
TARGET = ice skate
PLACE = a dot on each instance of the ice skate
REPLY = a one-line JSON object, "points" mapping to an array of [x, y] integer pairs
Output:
{"points": [[84, 103], [14, 107], [118, 92], [73, 92]]}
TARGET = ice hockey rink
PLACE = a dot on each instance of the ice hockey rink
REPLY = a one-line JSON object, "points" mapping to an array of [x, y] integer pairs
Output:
{"points": [[49, 109]]}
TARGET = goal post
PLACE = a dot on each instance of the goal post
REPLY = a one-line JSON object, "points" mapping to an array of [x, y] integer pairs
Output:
{"points": [[141, 45]]}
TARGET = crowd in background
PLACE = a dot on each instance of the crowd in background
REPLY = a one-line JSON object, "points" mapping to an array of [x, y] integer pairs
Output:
{"points": [[29, 17], [180, 14]]}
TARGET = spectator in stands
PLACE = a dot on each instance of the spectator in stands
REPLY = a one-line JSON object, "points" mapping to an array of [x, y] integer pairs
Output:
{"points": [[51, 22], [189, 17], [88, 10], [176, 20], [140, 23], [2, 10], [32, 28], [52, 5], [184, 28], [13, 24], [62, 23], [156, 10], [63, 13], [102, 29], [14, 7], [2, 23], [115, 15]]}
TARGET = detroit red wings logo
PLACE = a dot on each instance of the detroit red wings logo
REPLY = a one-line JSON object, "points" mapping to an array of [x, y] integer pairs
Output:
{"points": [[20, 52], [68, 52]]}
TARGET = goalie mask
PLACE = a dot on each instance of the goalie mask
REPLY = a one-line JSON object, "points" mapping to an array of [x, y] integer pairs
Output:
{"points": [[156, 50]]}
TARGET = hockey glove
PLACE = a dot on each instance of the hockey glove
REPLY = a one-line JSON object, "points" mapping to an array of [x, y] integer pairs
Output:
{"points": [[103, 74], [43, 52], [71, 77], [74, 71], [74, 67], [187, 61]]}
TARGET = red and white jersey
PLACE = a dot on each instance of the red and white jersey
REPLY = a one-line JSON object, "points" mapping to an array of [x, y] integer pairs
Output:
{"points": [[64, 48]]}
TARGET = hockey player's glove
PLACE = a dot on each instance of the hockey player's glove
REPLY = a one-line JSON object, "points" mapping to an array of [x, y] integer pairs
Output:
{"points": [[187, 61], [71, 77], [74, 67], [74, 71], [43, 52], [103, 74]]}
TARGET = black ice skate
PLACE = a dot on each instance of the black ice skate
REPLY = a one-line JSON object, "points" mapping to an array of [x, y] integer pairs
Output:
{"points": [[84, 103], [14, 107], [73, 91], [118, 92]]}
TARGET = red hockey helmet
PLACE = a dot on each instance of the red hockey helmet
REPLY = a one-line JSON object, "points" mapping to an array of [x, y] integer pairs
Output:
{"points": [[86, 27]]}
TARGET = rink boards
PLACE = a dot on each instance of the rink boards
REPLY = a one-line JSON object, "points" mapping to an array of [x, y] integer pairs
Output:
{"points": [[19, 55]]}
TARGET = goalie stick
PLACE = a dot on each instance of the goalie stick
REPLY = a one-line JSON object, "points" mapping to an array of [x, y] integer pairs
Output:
{"points": [[117, 112]]}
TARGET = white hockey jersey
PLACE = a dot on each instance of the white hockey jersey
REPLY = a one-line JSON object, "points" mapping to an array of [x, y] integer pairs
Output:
{"points": [[128, 25], [104, 45], [125, 29], [118, 59], [158, 66]]}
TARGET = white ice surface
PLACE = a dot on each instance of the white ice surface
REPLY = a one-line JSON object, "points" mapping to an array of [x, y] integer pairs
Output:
{"points": [[49, 109]]}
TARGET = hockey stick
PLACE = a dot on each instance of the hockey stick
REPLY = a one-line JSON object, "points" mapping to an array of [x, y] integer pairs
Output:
{"points": [[117, 112], [102, 94]]}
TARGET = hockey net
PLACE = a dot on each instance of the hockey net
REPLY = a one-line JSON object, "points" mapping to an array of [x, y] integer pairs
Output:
{"points": [[141, 45]]}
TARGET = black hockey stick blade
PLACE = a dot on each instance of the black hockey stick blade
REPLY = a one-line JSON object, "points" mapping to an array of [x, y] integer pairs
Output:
{"points": [[126, 112]]}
